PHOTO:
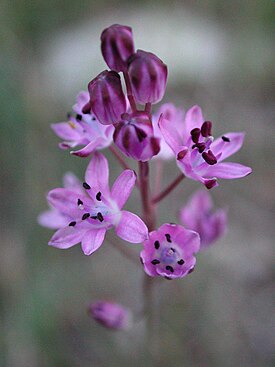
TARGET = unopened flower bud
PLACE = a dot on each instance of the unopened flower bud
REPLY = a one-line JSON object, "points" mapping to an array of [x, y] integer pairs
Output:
{"points": [[148, 76], [135, 138], [110, 315], [116, 46], [107, 100]]}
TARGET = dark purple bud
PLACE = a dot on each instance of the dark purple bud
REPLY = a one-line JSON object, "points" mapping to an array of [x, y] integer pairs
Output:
{"points": [[181, 154], [148, 76], [117, 46], [209, 157], [107, 99], [134, 136], [206, 129], [195, 134]]}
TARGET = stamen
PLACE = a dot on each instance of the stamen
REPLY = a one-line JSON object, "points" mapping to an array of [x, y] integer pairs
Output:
{"points": [[93, 216], [86, 186], [73, 126], [78, 117], [209, 158], [98, 196], [79, 202], [157, 245], [181, 262], [191, 270], [225, 138], [170, 268], [200, 146], [155, 262], [181, 154], [85, 216], [210, 183], [72, 224], [206, 129], [168, 237], [195, 134], [93, 118], [100, 217]]}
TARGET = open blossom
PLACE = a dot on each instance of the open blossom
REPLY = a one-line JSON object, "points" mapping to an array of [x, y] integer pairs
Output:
{"points": [[199, 216], [169, 112], [110, 315], [92, 213], [54, 218], [84, 129], [134, 136], [198, 155], [169, 251]]}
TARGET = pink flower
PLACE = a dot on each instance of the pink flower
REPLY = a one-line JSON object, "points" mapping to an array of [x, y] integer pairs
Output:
{"points": [[110, 315], [148, 76], [169, 251], [117, 45], [199, 156], [54, 218], [134, 136], [169, 112], [96, 210], [84, 129], [107, 100], [199, 216]]}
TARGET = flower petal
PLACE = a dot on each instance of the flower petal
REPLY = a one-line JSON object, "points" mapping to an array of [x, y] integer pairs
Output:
{"points": [[88, 149], [193, 118], [170, 134], [227, 148], [131, 228], [123, 187], [71, 182], [97, 173], [66, 237], [65, 131], [52, 219], [228, 170], [66, 201], [92, 240]]}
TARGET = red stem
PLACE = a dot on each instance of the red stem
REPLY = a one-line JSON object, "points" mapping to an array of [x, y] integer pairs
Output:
{"points": [[168, 189]]}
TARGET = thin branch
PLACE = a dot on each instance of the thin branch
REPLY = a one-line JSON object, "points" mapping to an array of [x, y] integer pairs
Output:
{"points": [[168, 189]]}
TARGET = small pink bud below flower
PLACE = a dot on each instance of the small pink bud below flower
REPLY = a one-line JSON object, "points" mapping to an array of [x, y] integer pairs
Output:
{"points": [[116, 46], [148, 76], [110, 315], [107, 100], [134, 136]]}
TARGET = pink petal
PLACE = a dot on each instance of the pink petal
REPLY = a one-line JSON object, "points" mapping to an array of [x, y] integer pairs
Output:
{"points": [[131, 228], [66, 237], [193, 118], [227, 148], [170, 134], [53, 219], [92, 240], [71, 182], [65, 131], [66, 201], [123, 187], [97, 173], [88, 149], [229, 170]]}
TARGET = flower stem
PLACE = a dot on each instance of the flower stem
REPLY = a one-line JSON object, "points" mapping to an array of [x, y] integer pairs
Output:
{"points": [[129, 91], [119, 157], [147, 207], [168, 189]]}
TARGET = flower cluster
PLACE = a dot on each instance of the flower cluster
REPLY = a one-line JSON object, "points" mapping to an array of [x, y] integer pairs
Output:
{"points": [[116, 113]]}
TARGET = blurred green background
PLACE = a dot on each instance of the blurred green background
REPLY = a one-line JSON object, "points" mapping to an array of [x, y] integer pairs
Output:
{"points": [[220, 55]]}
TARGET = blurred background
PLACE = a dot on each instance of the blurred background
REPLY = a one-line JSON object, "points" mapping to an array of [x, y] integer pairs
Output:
{"points": [[220, 55]]}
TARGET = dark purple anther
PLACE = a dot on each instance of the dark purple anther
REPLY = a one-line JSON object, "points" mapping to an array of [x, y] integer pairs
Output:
{"points": [[86, 186], [116, 46], [170, 268], [209, 158], [85, 216], [134, 136], [181, 262], [200, 146], [168, 237], [225, 138], [155, 262], [98, 196], [100, 217], [206, 129], [107, 100], [195, 134], [72, 224], [148, 76], [157, 245]]}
